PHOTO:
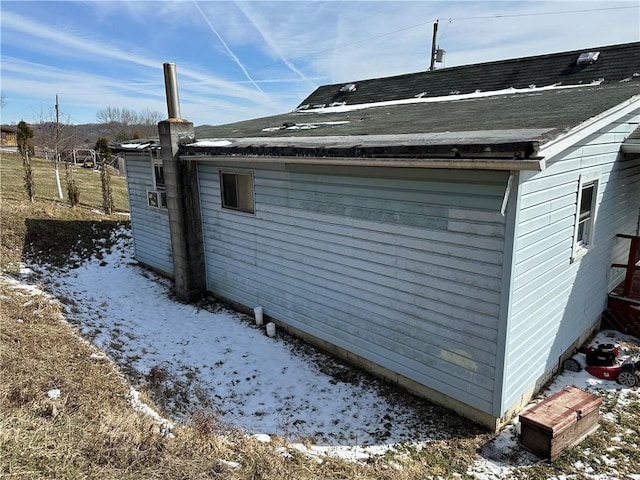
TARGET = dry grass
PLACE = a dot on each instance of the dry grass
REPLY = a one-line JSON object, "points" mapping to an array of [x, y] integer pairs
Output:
{"points": [[92, 431], [49, 227]]}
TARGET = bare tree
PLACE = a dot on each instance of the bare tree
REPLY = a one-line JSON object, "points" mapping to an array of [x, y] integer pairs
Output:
{"points": [[58, 139], [149, 123], [124, 124], [53, 131]]}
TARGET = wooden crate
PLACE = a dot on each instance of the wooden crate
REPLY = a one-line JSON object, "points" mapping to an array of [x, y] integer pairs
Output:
{"points": [[559, 421]]}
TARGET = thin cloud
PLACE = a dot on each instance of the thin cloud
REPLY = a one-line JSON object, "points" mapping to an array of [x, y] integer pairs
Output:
{"points": [[111, 53], [81, 46], [224, 44], [270, 41], [74, 44]]}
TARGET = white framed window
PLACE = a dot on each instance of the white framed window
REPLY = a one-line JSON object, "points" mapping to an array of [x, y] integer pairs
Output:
{"points": [[158, 176], [585, 219], [157, 198], [236, 191]]}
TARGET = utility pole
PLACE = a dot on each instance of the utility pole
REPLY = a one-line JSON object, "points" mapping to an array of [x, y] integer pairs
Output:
{"points": [[433, 46], [57, 154]]}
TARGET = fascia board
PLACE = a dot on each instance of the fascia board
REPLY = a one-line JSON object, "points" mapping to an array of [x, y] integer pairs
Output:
{"points": [[535, 164]]}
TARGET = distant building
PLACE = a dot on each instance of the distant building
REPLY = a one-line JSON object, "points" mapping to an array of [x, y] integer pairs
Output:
{"points": [[452, 231], [9, 137]]}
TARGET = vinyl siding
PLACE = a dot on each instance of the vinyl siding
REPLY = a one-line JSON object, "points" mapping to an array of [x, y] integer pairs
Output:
{"points": [[150, 226], [403, 269], [554, 301]]}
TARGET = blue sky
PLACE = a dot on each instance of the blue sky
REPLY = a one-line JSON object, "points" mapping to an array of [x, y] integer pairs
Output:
{"points": [[241, 60]]}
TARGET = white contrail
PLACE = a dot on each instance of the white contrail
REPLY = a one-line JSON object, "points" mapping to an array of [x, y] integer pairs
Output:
{"points": [[271, 43], [227, 47], [68, 41]]}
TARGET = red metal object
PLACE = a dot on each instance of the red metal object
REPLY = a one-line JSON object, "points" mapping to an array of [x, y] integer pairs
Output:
{"points": [[603, 362], [605, 373]]}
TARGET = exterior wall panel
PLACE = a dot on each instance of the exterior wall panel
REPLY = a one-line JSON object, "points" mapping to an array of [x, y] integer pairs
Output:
{"points": [[150, 226], [405, 273], [554, 300]]}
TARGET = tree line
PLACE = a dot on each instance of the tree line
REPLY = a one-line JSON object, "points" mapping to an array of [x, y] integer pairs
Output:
{"points": [[113, 125], [58, 138]]}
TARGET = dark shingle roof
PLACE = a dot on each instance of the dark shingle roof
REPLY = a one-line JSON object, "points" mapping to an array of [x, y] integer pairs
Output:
{"points": [[503, 119], [614, 63]]}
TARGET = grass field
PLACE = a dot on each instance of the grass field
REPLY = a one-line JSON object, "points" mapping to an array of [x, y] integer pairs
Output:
{"points": [[92, 431], [32, 228]]}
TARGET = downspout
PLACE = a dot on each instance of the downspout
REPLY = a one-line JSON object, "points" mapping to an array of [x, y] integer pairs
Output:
{"points": [[183, 197], [507, 191]]}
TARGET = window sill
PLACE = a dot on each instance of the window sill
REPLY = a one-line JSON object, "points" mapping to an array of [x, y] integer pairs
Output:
{"points": [[580, 251]]}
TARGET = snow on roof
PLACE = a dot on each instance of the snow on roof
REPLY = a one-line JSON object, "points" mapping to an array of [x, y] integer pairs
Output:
{"points": [[302, 126], [210, 143], [454, 95], [134, 146]]}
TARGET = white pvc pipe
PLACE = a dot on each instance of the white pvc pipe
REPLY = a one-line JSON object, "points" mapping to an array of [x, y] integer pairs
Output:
{"points": [[258, 314], [271, 329]]}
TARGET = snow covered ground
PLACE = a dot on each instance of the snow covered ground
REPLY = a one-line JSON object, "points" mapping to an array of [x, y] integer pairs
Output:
{"points": [[206, 355]]}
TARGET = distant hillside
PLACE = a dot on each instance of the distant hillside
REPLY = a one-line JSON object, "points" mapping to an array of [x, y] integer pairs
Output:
{"points": [[84, 135], [88, 133]]}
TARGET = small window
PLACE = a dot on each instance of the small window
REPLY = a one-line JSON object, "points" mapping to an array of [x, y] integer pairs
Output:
{"points": [[157, 198], [237, 191], [158, 176], [585, 216]]}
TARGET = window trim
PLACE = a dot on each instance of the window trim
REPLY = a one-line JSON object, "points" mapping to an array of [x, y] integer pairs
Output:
{"points": [[581, 247], [237, 208]]}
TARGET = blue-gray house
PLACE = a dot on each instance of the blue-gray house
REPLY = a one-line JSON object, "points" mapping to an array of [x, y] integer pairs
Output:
{"points": [[452, 231]]}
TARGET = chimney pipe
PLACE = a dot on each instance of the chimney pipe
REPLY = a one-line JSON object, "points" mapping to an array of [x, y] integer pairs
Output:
{"points": [[171, 88]]}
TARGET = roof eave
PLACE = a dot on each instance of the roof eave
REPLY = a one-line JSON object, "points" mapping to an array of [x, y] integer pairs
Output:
{"points": [[589, 127]]}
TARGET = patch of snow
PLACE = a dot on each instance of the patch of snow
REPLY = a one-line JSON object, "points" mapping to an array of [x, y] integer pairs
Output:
{"points": [[260, 384], [25, 271], [306, 126], [210, 143], [139, 406], [233, 465], [134, 146], [54, 393], [263, 385], [261, 437], [454, 95], [502, 456]]}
